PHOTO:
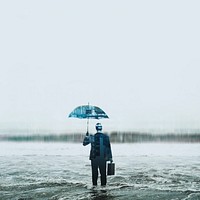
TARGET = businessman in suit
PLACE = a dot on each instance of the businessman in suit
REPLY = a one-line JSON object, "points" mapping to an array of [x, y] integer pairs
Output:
{"points": [[100, 153]]}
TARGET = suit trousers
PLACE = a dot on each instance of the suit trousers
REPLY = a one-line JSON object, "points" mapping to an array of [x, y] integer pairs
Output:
{"points": [[98, 163]]}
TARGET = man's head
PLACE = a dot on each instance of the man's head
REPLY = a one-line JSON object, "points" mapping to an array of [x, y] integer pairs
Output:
{"points": [[98, 127]]}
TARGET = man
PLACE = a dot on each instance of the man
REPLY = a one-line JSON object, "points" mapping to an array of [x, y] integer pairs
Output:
{"points": [[100, 153]]}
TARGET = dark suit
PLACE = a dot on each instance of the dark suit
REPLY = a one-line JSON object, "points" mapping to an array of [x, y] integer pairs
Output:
{"points": [[100, 153]]}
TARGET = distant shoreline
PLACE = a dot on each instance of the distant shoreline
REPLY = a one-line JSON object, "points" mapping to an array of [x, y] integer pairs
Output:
{"points": [[115, 137]]}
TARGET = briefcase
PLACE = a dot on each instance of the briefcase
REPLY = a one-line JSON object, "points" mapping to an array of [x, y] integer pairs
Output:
{"points": [[111, 169]]}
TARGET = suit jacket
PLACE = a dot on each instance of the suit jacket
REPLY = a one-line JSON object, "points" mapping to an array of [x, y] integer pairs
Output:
{"points": [[100, 146]]}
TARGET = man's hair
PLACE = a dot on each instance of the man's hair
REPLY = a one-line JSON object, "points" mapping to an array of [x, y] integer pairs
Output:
{"points": [[98, 127]]}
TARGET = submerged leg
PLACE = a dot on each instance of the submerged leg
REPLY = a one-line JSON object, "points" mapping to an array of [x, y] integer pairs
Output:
{"points": [[94, 172], [102, 167]]}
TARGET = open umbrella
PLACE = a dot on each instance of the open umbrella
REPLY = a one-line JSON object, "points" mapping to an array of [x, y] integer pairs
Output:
{"points": [[88, 112]]}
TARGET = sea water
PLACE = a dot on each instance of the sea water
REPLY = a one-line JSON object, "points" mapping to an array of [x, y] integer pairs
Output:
{"points": [[59, 171]]}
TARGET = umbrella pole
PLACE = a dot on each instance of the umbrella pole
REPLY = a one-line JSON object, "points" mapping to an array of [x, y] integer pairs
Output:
{"points": [[88, 121], [87, 126]]}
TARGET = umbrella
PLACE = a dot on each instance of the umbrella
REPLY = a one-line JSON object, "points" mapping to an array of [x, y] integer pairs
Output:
{"points": [[88, 112]]}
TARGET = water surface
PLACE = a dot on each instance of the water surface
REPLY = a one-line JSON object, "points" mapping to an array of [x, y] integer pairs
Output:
{"points": [[62, 171]]}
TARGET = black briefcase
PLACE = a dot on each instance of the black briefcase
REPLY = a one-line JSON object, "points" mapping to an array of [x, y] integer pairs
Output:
{"points": [[111, 169]]}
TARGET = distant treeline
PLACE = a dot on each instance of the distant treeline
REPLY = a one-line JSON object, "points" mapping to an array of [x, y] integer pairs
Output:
{"points": [[44, 138], [115, 137], [132, 137]]}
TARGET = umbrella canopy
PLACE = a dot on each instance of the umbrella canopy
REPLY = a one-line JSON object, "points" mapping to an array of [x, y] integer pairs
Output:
{"points": [[88, 112]]}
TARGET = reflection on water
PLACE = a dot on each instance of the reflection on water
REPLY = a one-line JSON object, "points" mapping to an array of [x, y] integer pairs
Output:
{"points": [[100, 194]]}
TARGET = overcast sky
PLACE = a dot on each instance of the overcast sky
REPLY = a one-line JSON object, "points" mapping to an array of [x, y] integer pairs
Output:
{"points": [[138, 60]]}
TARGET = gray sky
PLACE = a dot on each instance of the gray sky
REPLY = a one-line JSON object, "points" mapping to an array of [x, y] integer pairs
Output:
{"points": [[138, 60]]}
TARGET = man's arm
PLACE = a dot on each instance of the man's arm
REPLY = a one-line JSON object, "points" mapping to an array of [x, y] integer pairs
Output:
{"points": [[109, 151]]}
